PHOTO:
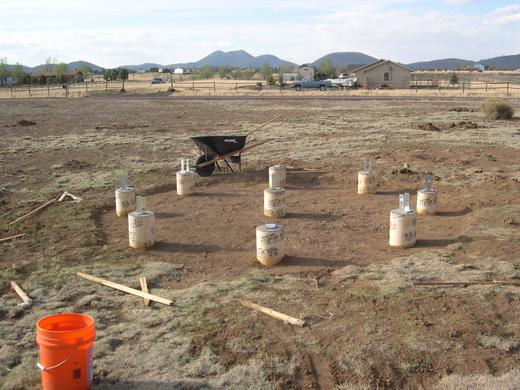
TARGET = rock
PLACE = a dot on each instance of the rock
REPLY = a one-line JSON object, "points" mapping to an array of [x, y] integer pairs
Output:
{"points": [[25, 123], [428, 127]]}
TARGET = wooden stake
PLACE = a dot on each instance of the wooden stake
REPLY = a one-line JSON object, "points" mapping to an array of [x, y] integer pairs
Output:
{"points": [[144, 287], [32, 212], [11, 237], [124, 288], [25, 298], [279, 316], [264, 124], [471, 283]]}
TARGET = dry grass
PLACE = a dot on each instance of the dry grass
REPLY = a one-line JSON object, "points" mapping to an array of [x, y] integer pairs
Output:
{"points": [[507, 381], [497, 109]]}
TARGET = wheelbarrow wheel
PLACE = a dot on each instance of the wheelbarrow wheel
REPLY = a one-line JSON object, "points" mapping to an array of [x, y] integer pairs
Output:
{"points": [[208, 169]]}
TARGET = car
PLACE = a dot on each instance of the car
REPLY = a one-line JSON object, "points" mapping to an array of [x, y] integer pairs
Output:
{"points": [[158, 80], [310, 83]]}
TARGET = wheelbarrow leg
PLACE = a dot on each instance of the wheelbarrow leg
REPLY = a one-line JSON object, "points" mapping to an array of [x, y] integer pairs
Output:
{"points": [[229, 166]]}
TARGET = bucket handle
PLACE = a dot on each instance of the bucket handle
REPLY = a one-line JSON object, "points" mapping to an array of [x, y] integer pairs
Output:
{"points": [[41, 367]]}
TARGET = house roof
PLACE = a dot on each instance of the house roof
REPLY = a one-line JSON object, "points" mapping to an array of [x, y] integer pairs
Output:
{"points": [[373, 65]]}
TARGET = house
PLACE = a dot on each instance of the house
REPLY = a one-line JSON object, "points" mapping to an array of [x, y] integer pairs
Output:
{"points": [[182, 71], [306, 71], [383, 73], [71, 77], [286, 77], [480, 67], [7, 81]]}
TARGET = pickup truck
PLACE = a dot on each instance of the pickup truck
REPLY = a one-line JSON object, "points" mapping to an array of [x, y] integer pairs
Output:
{"points": [[309, 83]]}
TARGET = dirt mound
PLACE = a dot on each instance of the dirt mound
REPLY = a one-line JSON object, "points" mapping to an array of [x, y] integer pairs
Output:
{"points": [[75, 164], [428, 127], [464, 125], [25, 123], [461, 109]]}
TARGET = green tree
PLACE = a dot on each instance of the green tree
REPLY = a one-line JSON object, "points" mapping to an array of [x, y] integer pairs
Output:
{"points": [[4, 72], [326, 69], [222, 71], [286, 68], [122, 74], [18, 74], [266, 72], [85, 69], [454, 79], [207, 72], [60, 71]]}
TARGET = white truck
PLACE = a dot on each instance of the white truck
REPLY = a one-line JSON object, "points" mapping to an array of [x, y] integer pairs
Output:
{"points": [[343, 81]]}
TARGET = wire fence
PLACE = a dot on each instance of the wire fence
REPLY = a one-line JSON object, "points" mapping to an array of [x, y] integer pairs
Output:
{"points": [[419, 83]]}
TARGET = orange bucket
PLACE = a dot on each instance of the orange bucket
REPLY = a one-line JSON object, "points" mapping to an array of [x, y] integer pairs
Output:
{"points": [[65, 342]]}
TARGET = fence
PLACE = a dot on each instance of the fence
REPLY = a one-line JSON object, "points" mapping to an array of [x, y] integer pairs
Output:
{"points": [[419, 83]]}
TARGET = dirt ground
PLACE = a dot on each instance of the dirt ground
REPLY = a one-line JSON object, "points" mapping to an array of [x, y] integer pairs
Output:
{"points": [[368, 327]]}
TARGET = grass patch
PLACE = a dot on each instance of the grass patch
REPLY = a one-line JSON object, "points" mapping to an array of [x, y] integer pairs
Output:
{"points": [[497, 109], [505, 344]]}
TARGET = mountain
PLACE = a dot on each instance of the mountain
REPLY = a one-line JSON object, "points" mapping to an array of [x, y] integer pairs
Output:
{"points": [[446, 63], [346, 58], [144, 67], [26, 69], [72, 66], [233, 59], [503, 62]]}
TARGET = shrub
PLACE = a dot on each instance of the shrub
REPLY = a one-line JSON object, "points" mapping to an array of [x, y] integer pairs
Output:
{"points": [[497, 109]]}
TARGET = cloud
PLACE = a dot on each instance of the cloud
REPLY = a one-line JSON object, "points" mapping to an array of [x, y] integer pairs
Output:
{"points": [[506, 15], [167, 31]]}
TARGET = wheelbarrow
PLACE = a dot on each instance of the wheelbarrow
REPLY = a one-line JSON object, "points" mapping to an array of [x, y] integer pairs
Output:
{"points": [[223, 148]]}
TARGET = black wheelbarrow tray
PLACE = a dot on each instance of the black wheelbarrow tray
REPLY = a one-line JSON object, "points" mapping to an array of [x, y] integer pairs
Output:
{"points": [[217, 148]]}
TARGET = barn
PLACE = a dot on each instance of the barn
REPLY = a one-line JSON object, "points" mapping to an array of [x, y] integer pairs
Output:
{"points": [[383, 74]]}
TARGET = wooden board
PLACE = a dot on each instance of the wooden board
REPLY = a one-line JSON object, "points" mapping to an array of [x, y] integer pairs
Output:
{"points": [[12, 237], [124, 288], [25, 298], [273, 313], [144, 287]]}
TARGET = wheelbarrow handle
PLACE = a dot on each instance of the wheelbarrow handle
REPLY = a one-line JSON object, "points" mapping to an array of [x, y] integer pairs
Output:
{"points": [[264, 124]]}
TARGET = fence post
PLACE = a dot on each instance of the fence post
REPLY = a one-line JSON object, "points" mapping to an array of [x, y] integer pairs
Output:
{"points": [[486, 87], [463, 87], [48, 90], [106, 86], [193, 86], [508, 87], [236, 87], [11, 91], [214, 87], [86, 88], [29, 89], [66, 91]]}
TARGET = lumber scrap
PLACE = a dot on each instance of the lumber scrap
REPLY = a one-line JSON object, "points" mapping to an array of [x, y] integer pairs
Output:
{"points": [[34, 211], [470, 283], [124, 288], [273, 313], [12, 237], [25, 298], [66, 194], [144, 287]]}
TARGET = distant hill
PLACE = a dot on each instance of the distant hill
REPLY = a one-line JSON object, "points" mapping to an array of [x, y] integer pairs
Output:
{"points": [[77, 64], [446, 63], [142, 67], [26, 69], [346, 58], [233, 59], [503, 62]]}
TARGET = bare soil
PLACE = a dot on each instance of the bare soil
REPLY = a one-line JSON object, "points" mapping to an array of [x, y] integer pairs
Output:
{"points": [[368, 325]]}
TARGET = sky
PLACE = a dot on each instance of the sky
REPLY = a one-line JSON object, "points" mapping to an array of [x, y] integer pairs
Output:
{"points": [[112, 33]]}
